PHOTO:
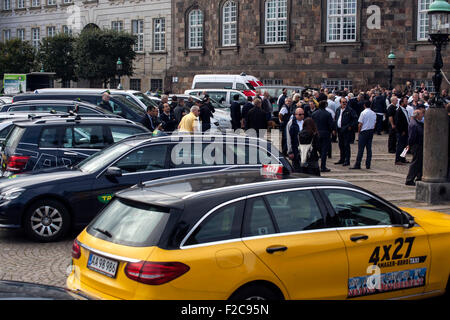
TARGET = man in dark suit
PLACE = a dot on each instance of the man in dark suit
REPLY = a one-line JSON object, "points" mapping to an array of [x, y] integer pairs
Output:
{"points": [[415, 144], [379, 107], [167, 119], [257, 118], [205, 115], [345, 122], [150, 120], [401, 121], [325, 126], [245, 109], [294, 127], [235, 112]]}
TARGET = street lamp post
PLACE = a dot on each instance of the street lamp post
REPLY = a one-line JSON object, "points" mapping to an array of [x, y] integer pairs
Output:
{"points": [[391, 66], [119, 71], [434, 186]]}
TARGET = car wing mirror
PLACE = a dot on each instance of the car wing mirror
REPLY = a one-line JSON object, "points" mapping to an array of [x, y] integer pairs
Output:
{"points": [[113, 172], [408, 221]]}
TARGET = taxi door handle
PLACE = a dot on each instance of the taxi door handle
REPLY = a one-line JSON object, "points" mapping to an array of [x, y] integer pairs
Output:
{"points": [[359, 237], [275, 249]]}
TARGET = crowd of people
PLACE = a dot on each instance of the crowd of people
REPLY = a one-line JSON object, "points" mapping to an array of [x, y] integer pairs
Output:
{"points": [[309, 122]]}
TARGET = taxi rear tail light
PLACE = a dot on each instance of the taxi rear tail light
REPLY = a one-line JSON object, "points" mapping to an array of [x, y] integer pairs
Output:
{"points": [[17, 163], [76, 250], [155, 273]]}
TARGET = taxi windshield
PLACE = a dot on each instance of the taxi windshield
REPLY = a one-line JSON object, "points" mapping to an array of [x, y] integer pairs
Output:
{"points": [[102, 158]]}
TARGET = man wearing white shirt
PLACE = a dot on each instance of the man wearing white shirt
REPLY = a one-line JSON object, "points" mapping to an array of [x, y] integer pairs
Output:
{"points": [[366, 125]]}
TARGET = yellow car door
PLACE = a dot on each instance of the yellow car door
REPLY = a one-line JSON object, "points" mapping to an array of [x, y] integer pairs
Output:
{"points": [[386, 259], [287, 231]]}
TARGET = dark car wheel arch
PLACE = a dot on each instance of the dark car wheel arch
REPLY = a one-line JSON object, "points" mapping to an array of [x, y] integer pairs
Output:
{"points": [[265, 289]]}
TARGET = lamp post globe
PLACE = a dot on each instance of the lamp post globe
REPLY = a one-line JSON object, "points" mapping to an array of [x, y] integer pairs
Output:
{"points": [[119, 71], [391, 65]]}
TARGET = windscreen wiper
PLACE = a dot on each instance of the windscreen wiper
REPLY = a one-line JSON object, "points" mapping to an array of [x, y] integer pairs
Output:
{"points": [[105, 232]]}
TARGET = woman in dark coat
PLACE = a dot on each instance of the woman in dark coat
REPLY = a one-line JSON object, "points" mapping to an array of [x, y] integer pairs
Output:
{"points": [[309, 148]]}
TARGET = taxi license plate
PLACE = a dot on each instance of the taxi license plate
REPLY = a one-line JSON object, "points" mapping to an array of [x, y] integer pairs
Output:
{"points": [[102, 265]]}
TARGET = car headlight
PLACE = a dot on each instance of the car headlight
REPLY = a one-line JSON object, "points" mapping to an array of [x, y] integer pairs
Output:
{"points": [[11, 194]]}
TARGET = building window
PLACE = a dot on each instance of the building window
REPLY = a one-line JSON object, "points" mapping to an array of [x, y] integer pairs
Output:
{"points": [[272, 82], [339, 84], [68, 1], [67, 30], [51, 32], [6, 35], [422, 19], [229, 24], [341, 20], [156, 85], [195, 29], [35, 37], [35, 3], [21, 34], [6, 4], [117, 25], [159, 34], [20, 4], [429, 86], [138, 30], [51, 2], [135, 84], [276, 21]]}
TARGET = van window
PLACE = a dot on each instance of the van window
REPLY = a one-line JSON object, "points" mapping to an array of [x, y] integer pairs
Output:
{"points": [[220, 96], [49, 138], [240, 86], [213, 85]]}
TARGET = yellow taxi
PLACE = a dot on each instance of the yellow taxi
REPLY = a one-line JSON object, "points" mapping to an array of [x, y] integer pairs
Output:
{"points": [[243, 235]]}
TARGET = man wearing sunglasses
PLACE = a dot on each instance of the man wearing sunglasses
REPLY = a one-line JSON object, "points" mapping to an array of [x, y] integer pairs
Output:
{"points": [[346, 120]]}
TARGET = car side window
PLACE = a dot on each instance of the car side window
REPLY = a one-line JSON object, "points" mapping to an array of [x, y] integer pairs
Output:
{"points": [[22, 108], [143, 159], [49, 138], [91, 137], [357, 209], [248, 154], [219, 96], [186, 155], [295, 211], [258, 220], [121, 132], [57, 108], [117, 109], [84, 110], [223, 224]]}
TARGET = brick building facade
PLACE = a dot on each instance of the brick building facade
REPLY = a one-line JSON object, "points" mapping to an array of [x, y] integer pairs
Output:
{"points": [[302, 42]]}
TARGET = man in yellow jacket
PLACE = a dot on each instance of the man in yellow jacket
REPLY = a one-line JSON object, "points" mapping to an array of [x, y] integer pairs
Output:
{"points": [[190, 122]]}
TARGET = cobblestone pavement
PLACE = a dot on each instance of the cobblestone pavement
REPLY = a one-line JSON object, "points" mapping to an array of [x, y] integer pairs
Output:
{"points": [[23, 260]]}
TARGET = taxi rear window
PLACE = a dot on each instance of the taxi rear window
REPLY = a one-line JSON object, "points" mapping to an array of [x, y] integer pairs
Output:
{"points": [[130, 223], [13, 138]]}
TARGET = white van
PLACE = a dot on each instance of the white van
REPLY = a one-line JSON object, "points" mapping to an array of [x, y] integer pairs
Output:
{"points": [[136, 97], [222, 96], [240, 82]]}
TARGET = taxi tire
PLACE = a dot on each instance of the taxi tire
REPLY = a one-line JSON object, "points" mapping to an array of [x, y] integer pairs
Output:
{"points": [[54, 204], [256, 292]]}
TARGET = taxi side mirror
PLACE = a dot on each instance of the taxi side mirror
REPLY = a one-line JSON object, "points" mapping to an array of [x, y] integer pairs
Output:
{"points": [[408, 221], [113, 172]]}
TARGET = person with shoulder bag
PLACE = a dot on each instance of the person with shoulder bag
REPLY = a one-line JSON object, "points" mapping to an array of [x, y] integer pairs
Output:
{"points": [[309, 147]]}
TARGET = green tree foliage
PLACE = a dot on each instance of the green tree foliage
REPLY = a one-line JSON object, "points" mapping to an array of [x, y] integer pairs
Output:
{"points": [[17, 56], [57, 55], [97, 51]]}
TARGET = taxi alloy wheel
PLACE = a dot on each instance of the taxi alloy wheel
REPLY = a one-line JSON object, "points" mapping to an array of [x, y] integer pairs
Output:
{"points": [[46, 220], [256, 292]]}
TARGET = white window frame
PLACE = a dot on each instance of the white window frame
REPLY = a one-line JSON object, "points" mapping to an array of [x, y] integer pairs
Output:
{"points": [[229, 24], [20, 34], [278, 24], [51, 2], [6, 4], [117, 25], [137, 29], [35, 41], [51, 31], [340, 17], [6, 35], [422, 19], [67, 30], [67, 1], [339, 83], [159, 34], [20, 4], [35, 3], [195, 29]]}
